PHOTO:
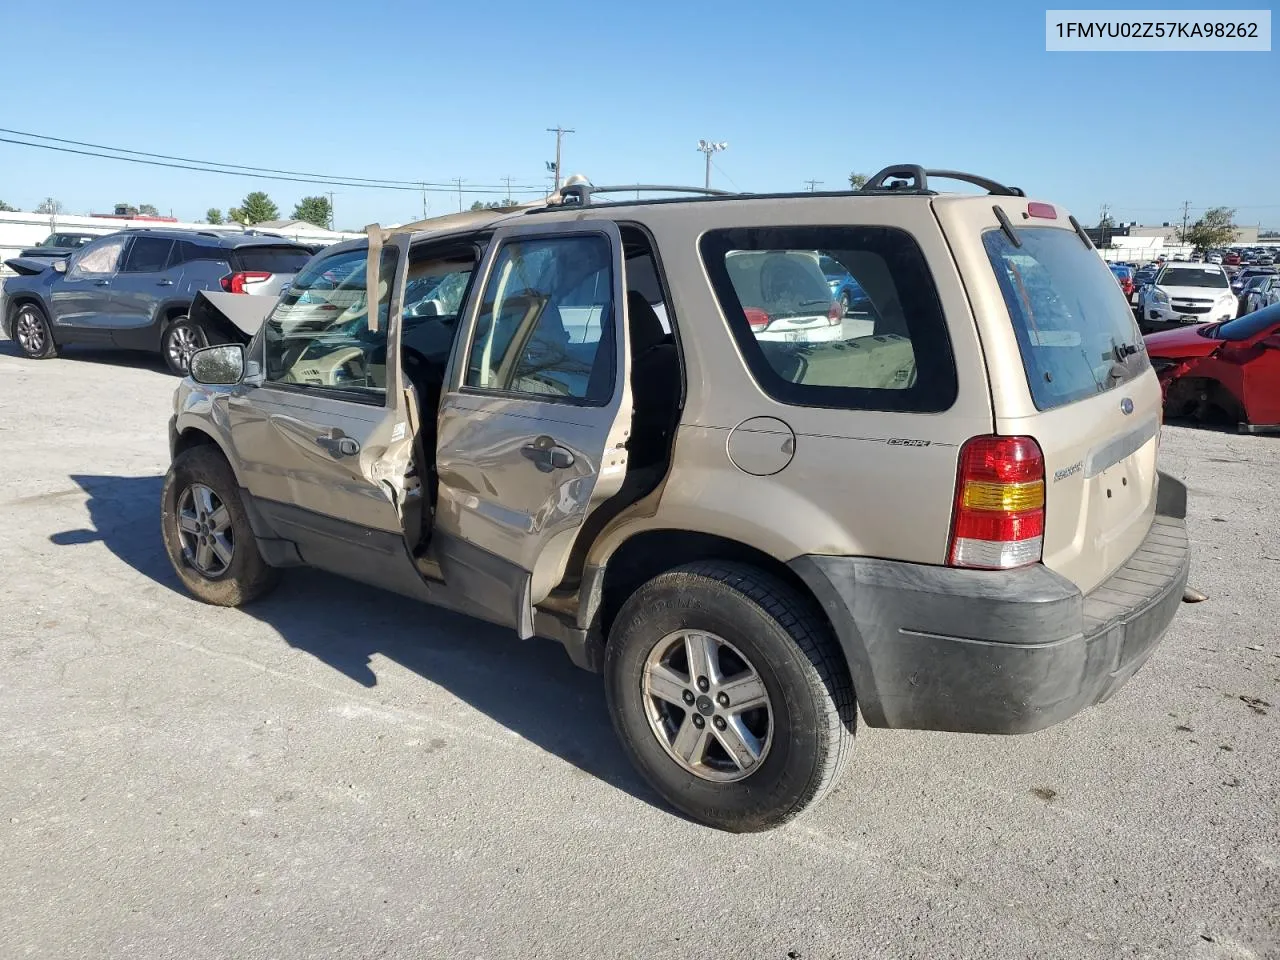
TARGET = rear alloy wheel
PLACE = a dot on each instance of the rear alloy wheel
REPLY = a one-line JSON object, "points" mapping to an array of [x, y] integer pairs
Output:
{"points": [[729, 694], [32, 333], [845, 303], [181, 339]]}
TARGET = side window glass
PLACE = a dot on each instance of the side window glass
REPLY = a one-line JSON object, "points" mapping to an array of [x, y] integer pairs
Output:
{"points": [[318, 335], [97, 259], [545, 325], [147, 255]]}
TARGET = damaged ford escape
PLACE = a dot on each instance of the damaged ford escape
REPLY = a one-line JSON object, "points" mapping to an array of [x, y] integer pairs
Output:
{"points": [[648, 430]]}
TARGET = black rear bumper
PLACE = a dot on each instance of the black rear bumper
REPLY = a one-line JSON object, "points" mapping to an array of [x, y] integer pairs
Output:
{"points": [[938, 648]]}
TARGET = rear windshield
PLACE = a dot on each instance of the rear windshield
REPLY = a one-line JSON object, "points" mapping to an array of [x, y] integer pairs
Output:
{"points": [[272, 259], [1069, 316], [1192, 277], [806, 343]]}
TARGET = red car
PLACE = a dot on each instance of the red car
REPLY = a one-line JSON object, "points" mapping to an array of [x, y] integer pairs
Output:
{"points": [[1231, 260], [1222, 372]]}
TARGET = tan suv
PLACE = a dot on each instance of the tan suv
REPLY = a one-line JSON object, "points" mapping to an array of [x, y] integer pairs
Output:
{"points": [[564, 419]]}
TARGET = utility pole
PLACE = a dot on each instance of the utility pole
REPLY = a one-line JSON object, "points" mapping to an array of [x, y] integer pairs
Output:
{"points": [[507, 181], [813, 185], [458, 181], [559, 131], [709, 147], [332, 218], [424, 201], [1186, 208]]}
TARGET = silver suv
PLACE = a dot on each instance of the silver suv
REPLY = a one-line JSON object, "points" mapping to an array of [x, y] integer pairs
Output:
{"points": [[580, 420]]}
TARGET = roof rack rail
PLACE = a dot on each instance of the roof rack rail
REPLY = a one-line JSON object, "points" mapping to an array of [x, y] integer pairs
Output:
{"points": [[580, 194], [914, 178]]}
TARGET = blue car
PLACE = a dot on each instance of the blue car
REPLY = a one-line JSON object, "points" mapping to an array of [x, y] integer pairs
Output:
{"points": [[844, 287]]}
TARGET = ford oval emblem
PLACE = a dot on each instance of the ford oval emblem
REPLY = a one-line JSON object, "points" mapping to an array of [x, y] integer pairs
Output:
{"points": [[1126, 406]]}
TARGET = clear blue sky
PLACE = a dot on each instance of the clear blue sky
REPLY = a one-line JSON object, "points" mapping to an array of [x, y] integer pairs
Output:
{"points": [[434, 90]]}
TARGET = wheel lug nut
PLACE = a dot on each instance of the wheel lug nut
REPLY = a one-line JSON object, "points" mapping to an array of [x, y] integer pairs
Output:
{"points": [[689, 697], [719, 722], [698, 721], [704, 684], [722, 699]]}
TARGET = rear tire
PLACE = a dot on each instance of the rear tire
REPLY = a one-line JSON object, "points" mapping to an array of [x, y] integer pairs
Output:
{"points": [[181, 338], [32, 332], [207, 534], [798, 737]]}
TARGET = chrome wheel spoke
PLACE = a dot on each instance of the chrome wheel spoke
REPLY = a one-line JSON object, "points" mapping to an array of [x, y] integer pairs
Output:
{"points": [[204, 499], [739, 743], [219, 519], [690, 743], [665, 684], [204, 555], [222, 549], [744, 693], [188, 523], [703, 658]]}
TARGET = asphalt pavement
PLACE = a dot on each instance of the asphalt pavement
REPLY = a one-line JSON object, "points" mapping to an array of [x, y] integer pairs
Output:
{"points": [[339, 772]]}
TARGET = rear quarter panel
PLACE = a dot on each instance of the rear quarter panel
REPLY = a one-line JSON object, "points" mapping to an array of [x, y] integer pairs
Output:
{"points": [[852, 487]]}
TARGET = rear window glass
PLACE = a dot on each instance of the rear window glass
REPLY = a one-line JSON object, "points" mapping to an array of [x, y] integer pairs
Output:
{"points": [[272, 259], [844, 317], [1069, 316]]}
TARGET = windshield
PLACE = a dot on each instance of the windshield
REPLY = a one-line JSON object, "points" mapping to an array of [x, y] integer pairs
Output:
{"points": [[1250, 325], [1122, 271], [1068, 321], [1254, 282], [1191, 277]]}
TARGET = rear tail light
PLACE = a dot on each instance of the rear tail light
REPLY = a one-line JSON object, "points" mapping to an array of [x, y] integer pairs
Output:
{"points": [[1046, 210], [835, 313], [234, 282], [757, 319], [999, 511]]}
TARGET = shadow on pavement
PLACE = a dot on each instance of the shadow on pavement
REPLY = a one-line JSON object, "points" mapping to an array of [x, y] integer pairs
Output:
{"points": [[530, 686], [137, 359]]}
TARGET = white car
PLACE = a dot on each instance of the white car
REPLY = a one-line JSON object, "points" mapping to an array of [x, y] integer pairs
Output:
{"points": [[1215, 258], [1185, 293]]}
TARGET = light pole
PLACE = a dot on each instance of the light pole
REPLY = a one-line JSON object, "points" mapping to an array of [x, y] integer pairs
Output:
{"points": [[709, 147]]}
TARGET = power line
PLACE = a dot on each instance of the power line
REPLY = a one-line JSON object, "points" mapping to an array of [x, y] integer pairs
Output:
{"points": [[813, 184], [201, 167]]}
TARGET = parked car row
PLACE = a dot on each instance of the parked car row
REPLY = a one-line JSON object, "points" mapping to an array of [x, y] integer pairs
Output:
{"points": [[134, 289]]}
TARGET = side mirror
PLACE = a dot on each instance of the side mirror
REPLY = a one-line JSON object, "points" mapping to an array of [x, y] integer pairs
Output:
{"points": [[60, 266], [222, 365]]}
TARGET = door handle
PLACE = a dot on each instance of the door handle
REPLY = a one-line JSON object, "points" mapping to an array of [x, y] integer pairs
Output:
{"points": [[164, 283], [339, 446], [102, 283], [547, 455]]}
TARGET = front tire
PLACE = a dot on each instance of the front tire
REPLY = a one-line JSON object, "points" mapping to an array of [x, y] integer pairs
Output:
{"points": [[32, 333], [729, 695], [181, 338], [207, 533]]}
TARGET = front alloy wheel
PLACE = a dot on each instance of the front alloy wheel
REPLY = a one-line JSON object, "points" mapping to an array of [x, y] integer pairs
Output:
{"points": [[707, 706], [204, 527]]}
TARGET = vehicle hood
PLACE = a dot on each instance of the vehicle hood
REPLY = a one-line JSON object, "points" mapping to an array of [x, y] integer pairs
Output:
{"points": [[1194, 293], [28, 266], [52, 253], [1183, 342], [235, 316]]}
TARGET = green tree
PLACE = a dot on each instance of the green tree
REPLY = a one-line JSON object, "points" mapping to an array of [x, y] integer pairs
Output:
{"points": [[49, 205], [1215, 229], [5, 208], [148, 210], [127, 209], [1106, 222], [857, 180], [213, 215], [257, 207], [315, 210], [491, 205]]}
